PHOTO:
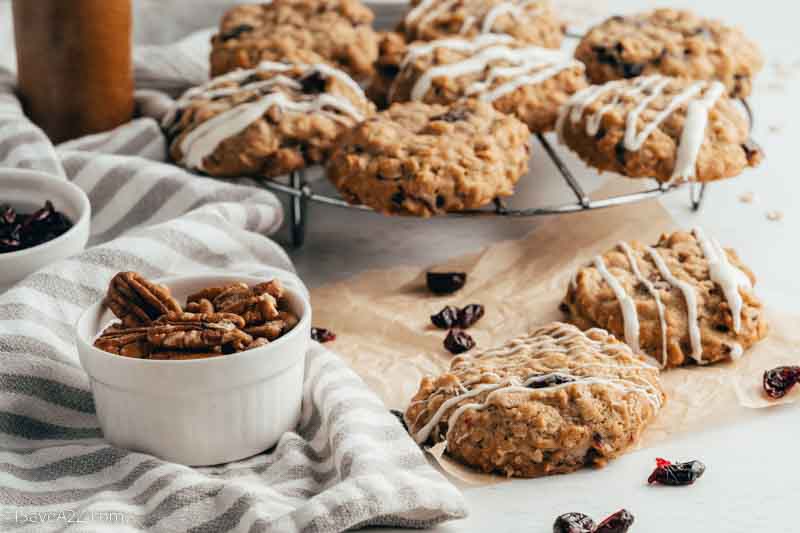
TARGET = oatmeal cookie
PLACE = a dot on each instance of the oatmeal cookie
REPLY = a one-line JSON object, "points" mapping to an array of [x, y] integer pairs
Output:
{"points": [[659, 127], [549, 402], [265, 121], [674, 43], [287, 30], [421, 159], [684, 300], [530, 21], [392, 49], [529, 82]]}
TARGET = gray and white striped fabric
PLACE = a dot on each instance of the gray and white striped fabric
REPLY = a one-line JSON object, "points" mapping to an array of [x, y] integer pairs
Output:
{"points": [[349, 463]]}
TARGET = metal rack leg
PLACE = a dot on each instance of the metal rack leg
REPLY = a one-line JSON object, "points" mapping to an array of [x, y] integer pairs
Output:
{"points": [[697, 193], [299, 208], [583, 198]]}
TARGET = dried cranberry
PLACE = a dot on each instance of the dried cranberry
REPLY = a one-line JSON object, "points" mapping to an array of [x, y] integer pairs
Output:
{"points": [[458, 341], [314, 82], [780, 380], [573, 523], [618, 522], [470, 314], [454, 115], [236, 31], [445, 282], [549, 380], [20, 231], [676, 474], [7, 214], [322, 335], [446, 318]]}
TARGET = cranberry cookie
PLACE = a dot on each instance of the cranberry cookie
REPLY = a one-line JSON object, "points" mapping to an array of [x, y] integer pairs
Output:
{"points": [[674, 43], [684, 300], [527, 81], [421, 159], [659, 127], [530, 21], [549, 402], [265, 121], [288, 30]]}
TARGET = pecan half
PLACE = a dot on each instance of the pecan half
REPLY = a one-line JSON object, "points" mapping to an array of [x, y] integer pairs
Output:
{"points": [[130, 342], [196, 335], [211, 293], [195, 318], [202, 305], [137, 301]]}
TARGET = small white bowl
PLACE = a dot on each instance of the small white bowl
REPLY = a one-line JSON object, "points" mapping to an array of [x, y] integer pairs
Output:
{"points": [[201, 411], [29, 190]]}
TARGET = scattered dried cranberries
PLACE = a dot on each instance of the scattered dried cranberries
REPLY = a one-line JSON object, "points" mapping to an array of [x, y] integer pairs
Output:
{"points": [[573, 523], [458, 341], [322, 335], [451, 316], [780, 380], [445, 282], [676, 474], [446, 318], [618, 522]]}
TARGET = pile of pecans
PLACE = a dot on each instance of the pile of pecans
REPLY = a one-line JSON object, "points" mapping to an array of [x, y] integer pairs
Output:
{"points": [[215, 321]]}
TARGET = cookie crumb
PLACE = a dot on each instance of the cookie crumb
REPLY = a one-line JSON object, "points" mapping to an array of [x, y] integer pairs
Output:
{"points": [[775, 216], [747, 197]]}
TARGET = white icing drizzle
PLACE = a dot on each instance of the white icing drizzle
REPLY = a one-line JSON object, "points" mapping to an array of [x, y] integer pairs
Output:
{"points": [[201, 142], [529, 66], [650, 87], [736, 351], [204, 139], [461, 45], [427, 11], [654, 293], [690, 296], [728, 277], [566, 336], [630, 317], [694, 132], [516, 10]]}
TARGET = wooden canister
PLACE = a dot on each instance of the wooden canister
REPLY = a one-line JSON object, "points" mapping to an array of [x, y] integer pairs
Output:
{"points": [[74, 64]]}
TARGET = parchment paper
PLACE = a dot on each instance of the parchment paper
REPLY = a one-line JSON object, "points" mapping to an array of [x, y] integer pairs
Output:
{"points": [[383, 327]]}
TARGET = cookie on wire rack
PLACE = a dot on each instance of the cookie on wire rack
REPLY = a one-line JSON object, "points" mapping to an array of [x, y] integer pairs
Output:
{"points": [[422, 159], [527, 81], [685, 300], [669, 129], [529, 21], [674, 43], [266, 121], [340, 31], [549, 402]]}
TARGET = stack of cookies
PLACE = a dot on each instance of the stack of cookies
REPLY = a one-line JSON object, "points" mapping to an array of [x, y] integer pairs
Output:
{"points": [[462, 84]]}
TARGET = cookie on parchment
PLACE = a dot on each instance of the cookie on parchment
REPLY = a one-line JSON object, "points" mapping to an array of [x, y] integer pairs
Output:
{"points": [[530, 21], [527, 81], [421, 159], [659, 127], [549, 402], [684, 300], [339, 31], [266, 121], [674, 43]]}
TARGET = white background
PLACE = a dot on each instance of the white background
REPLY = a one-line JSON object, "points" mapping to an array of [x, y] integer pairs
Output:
{"points": [[753, 475]]}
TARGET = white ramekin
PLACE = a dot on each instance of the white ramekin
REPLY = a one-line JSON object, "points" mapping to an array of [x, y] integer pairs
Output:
{"points": [[30, 189], [201, 411]]}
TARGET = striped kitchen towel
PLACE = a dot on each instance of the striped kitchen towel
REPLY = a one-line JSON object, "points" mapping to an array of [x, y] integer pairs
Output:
{"points": [[349, 463]]}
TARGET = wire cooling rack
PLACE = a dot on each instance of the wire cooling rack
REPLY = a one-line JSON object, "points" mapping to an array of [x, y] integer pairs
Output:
{"points": [[301, 193]]}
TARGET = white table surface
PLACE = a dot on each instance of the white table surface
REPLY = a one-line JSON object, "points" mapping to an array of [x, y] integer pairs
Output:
{"points": [[752, 480]]}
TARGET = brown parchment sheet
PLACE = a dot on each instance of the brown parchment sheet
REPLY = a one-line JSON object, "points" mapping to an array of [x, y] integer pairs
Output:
{"points": [[383, 328]]}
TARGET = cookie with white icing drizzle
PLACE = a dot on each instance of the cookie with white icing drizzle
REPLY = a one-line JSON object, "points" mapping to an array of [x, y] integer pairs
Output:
{"points": [[266, 121], [669, 129], [338, 31], [552, 401], [529, 21], [429, 159], [685, 300], [674, 43], [527, 81]]}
